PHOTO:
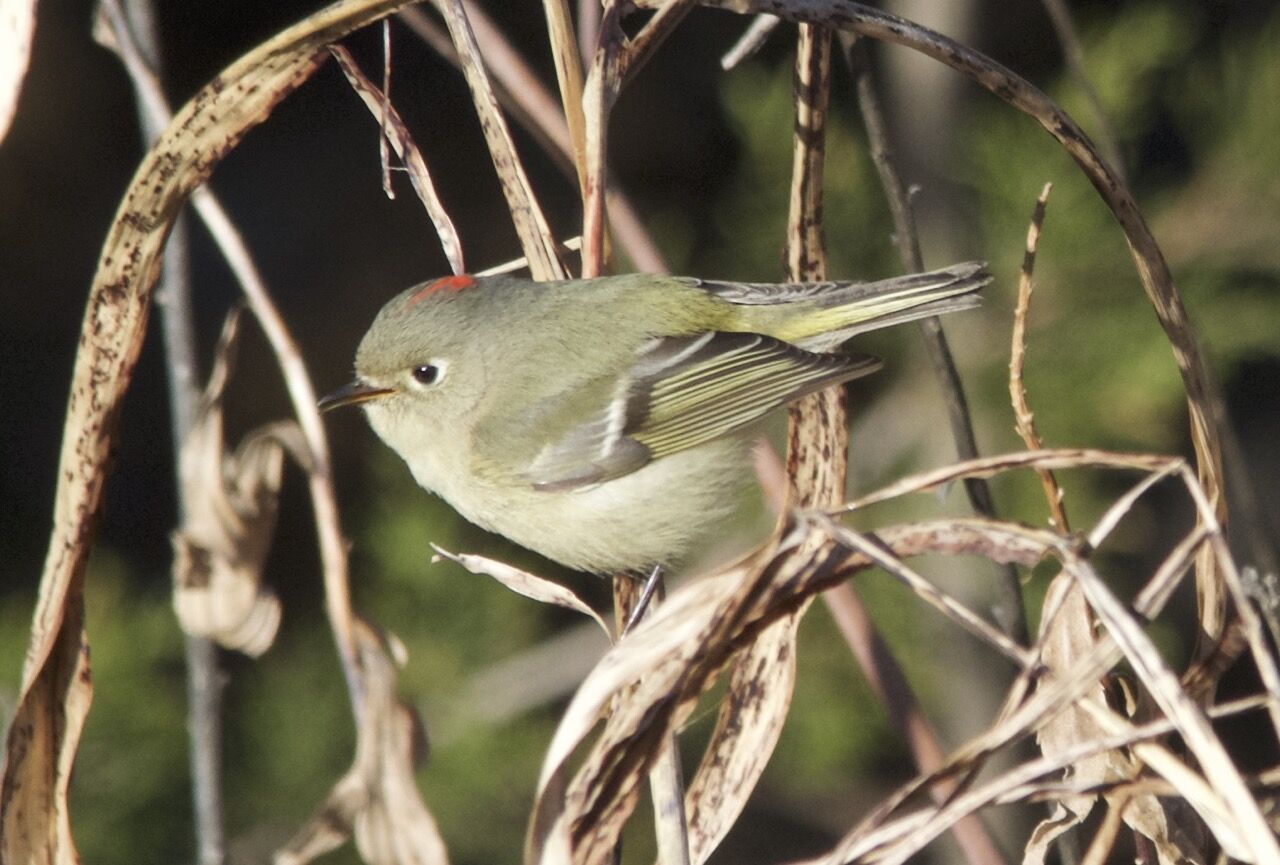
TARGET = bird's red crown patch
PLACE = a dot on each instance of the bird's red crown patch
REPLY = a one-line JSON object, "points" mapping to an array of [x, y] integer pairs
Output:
{"points": [[445, 283]]}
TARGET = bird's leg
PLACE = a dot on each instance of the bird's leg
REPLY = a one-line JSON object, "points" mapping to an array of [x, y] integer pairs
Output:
{"points": [[646, 595]]}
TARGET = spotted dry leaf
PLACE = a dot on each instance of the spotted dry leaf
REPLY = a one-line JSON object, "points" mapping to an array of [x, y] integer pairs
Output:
{"points": [[54, 695], [377, 802], [229, 503]]}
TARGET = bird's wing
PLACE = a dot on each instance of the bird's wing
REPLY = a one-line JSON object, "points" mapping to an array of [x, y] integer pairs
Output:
{"points": [[683, 391]]}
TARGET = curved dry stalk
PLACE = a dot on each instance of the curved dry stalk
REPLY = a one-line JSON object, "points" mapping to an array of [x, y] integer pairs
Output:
{"points": [[1153, 270], [751, 40], [614, 60], [598, 96], [1056, 458], [530, 223], [897, 840], [381, 782], [524, 583], [1260, 844], [1065, 29], [762, 682], [667, 662], [568, 62]]}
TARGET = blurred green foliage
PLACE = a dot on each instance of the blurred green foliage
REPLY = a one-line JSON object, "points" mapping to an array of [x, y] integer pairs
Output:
{"points": [[1099, 374]]}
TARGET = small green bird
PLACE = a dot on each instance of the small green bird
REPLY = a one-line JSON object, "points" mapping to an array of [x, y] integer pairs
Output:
{"points": [[605, 423]]}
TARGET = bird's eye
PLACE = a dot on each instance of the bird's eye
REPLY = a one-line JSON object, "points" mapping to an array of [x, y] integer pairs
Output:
{"points": [[427, 374]]}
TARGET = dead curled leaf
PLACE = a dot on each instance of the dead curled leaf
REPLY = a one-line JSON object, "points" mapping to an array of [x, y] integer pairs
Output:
{"points": [[377, 801], [1067, 636], [229, 515], [524, 583]]}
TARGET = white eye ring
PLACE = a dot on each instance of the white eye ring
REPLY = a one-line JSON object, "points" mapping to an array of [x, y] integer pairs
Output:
{"points": [[428, 374]]}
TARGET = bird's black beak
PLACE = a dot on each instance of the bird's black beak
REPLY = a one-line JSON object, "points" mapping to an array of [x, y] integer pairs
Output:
{"points": [[352, 394]]}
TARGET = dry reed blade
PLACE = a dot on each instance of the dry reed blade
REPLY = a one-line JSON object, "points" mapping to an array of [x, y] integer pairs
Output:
{"points": [[1007, 602], [598, 96], [530, 223], [568, 62], [376, 803], [230, 501], [1054, 458], [751, 40], [673, 656], [929, 593], [763, 679], [532, 106], [1260, 845]]}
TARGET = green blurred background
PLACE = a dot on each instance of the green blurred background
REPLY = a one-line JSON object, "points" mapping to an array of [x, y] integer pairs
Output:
{"points": [[1192, 91]]}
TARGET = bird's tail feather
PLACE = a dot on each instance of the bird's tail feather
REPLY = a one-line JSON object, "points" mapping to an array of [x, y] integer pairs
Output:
{"points": [[843, 310]]}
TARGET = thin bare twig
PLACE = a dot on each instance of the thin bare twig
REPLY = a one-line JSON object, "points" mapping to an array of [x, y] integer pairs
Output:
{"points": [[1025, 420], [568, 60], [532, 106], [397, 133], [1008, 607], [1065, 29], [751, 40], [131, 33], [384, 110], [598, 96]]}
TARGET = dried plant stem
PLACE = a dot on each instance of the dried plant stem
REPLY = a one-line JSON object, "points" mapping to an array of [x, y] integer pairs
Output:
{"points": [[666, 778], [333, 546], [568, 60], [527, 216], [395, 132], [532, 106], [751, 40], [598, 97], [56, 686], [1008, 608], [807, 262], [806, 257], [613, 62], [895, 693], [134, 33], [1025, 419]]}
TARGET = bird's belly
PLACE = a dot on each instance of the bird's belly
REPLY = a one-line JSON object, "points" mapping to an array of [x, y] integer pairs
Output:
{"points": [[655, 515]]}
